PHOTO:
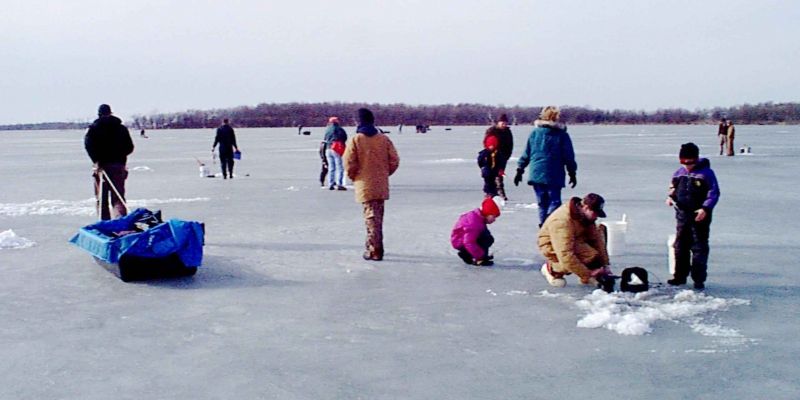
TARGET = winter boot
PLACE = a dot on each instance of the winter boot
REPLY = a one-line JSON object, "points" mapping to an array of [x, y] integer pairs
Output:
{"points": [[551, 279]]}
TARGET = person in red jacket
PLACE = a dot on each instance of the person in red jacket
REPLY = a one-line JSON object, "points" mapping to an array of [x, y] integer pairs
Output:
{"points": [[471, 236]]}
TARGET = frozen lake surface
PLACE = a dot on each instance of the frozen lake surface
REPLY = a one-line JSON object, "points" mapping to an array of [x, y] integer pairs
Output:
{"points": [[285, 308]]}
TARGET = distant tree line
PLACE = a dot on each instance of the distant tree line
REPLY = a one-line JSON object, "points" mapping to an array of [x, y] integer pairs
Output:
{"points": [[316, 114]]}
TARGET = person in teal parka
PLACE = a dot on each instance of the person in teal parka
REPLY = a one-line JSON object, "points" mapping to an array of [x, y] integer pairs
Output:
{"points": [[549, 152]]}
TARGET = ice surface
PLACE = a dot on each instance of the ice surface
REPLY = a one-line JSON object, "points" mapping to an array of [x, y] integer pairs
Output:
{"points": [[285, 308]]}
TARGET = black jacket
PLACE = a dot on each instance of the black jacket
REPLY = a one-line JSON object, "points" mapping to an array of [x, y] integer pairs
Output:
{"points": [[108, 141], [226, 140]]}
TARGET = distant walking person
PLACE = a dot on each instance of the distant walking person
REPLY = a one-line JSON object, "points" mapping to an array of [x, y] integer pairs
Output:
{"points": [[370, 158], [323, 173], [335, 141], [548, 151], [730, 133], [109, 144], [505, 146], [693, 193], [226, 139], [722, 133]]}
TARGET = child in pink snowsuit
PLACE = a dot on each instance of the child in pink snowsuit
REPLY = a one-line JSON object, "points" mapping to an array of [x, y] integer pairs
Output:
{"points": [[471, 236]]}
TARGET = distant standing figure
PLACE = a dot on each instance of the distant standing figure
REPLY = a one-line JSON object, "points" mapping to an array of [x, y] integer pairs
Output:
{"points": [[505, 146], [370, 158], [722, 133], [694, 193], [226, 139], [141, 133], [335, 141], [324, 171], [109, 144], [730, 133], [549, 151], [300, 129]]}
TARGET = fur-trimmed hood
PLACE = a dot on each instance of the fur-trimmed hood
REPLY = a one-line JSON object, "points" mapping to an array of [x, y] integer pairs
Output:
{"points": [[550, 124]]}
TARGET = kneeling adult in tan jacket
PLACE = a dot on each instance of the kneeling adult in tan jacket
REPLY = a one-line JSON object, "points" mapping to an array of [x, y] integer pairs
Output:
{"points": [[572, 243], [369, 159]]}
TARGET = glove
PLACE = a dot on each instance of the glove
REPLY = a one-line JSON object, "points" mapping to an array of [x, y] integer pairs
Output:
{"points": [[518, 176], [572, 180]]}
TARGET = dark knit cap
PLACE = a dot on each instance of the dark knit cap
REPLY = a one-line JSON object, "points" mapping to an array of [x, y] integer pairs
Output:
{"points": [[689, 151], [503, 118], [104, 109], [365, 117]]}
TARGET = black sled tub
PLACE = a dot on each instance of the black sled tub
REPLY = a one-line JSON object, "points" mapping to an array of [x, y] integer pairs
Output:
{"points": [[139, 246]]}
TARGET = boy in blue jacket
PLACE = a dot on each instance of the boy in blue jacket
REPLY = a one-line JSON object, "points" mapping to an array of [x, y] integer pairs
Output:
{"points": [[693, 193]]}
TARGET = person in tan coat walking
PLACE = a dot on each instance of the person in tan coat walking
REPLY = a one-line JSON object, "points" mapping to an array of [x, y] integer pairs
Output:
{"points": [[572, 243], [369, 159]]}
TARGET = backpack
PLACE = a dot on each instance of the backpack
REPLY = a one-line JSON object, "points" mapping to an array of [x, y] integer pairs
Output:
{"points": [[634, 280], [338, 147]]}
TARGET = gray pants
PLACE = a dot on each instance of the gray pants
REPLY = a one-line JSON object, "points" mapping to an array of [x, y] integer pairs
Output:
{"points": [[117, 173]]}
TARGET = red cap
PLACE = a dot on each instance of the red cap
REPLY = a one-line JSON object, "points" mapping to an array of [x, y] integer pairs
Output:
{"points": [[491, 141], [489, 207]]}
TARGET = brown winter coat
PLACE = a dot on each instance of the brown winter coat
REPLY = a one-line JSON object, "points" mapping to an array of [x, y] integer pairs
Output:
{"points": [[563, 235], [368, 161]]}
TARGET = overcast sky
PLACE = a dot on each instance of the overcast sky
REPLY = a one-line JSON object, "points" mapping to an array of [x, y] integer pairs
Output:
{"points": [[60, 59]]}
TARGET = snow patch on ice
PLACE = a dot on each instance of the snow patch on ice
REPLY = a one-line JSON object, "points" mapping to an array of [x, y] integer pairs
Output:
{"points": [[629, 314], [293, 189], [517, 293], [10, 240], [527, 206], [447, 161], [142, 168], [77, 207]]}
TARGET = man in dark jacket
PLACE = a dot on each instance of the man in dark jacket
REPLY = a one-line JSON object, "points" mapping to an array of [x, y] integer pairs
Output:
{"points": [[108, 144], [226, 139], [505, 146], [693, 193]]}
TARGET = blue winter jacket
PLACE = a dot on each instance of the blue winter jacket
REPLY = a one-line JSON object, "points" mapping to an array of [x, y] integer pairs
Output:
{"points": [[696, 189], [548, 151]]}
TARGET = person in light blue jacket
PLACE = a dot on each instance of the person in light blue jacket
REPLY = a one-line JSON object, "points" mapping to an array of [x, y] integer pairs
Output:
{"points": [[549, 152]]}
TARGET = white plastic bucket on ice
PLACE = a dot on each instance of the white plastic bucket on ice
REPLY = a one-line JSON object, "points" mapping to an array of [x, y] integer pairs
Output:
{"points": [[671, 253], [204, 171], [616, 236]]}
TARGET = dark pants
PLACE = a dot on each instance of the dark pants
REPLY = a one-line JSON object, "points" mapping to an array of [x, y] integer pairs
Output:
{"points": [[227, 165], [501, 188], [485, 241], [691, 246], [490, 185], [117, 173]]}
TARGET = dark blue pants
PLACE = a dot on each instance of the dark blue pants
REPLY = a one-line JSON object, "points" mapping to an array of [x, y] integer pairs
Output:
{"points": [[548, 198], [691, 246], [226, 163]]}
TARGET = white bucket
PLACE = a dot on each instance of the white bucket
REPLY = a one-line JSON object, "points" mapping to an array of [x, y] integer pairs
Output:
{"points": [[204, 171], [671, 254], [616, 236]]}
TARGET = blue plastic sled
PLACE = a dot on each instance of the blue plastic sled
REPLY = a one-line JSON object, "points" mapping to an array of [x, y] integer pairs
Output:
{"points": [[174, 247]]}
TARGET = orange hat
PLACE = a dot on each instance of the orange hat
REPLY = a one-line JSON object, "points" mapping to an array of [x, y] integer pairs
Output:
{"points": [[489, 207], [491, 141]]}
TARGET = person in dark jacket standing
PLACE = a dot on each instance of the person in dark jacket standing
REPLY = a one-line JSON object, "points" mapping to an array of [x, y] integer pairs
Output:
{"points": [[505, 146], [722, 134], [226, 139], [548, 151], [109, 144], [335, 141], [693, 193]]}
